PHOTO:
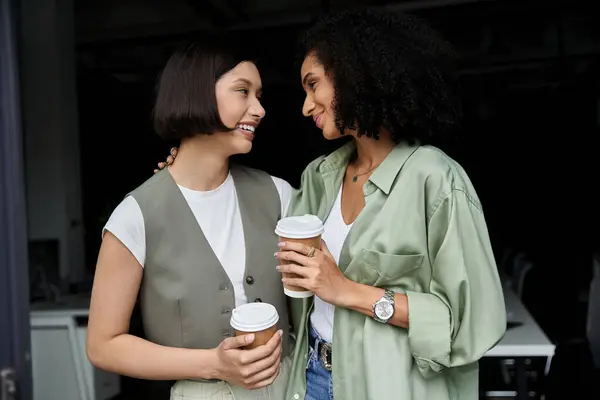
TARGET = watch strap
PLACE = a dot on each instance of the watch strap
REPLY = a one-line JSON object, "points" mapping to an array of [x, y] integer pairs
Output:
{"points": [[389, 296]]}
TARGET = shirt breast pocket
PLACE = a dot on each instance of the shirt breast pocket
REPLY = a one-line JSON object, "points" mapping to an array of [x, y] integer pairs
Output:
{"points": [[386, 269]]}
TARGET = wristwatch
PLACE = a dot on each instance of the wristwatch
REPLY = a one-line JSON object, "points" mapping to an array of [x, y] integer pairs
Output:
{"points": [[383, 309]]}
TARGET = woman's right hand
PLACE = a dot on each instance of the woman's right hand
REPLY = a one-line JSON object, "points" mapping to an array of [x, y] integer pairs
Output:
{"points": [[250, 369], [170, 159]]}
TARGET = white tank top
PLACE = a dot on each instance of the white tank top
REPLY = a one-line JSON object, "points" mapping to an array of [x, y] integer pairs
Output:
{"points": [[334, 235]]}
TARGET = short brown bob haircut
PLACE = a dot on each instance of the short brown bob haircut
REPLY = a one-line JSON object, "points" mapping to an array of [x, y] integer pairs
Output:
{"points": [[186, 104]]}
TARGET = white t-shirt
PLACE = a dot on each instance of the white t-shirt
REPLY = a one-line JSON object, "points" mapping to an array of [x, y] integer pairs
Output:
{"points": [[334, 235], [218, 214]]}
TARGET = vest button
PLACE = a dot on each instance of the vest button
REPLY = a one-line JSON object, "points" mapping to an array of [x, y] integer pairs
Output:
{"points": [[223, 287], [226, 334], [258, 300], [249, 280], [226, 311]]}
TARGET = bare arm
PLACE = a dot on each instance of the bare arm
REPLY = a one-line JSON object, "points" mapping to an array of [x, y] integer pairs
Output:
{"points": [[111, 347]]}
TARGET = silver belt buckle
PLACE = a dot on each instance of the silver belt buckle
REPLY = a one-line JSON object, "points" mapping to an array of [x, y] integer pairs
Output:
{"points": [[323, 355]]}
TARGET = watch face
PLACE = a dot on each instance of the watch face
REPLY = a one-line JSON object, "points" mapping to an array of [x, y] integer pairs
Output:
{"points": [[384, 309]]}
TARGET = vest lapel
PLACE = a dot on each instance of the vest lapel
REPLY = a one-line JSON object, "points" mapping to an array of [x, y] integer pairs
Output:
{"points": [[176, 198], [253, 220], [186, 295]]}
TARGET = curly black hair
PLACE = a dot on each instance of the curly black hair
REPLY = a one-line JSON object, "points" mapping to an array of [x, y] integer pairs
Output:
{"points": [[389, 70]]}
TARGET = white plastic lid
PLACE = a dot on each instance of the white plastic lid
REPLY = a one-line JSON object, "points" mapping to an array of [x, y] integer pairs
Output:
{"points": [[301, 227], [254, 317]]}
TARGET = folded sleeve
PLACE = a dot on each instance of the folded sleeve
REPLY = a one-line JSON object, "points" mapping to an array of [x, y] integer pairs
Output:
{"points": [[462, 314]]}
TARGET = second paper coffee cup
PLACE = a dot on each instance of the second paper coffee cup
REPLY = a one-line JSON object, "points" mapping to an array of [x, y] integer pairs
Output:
{"points": [[306, 229], [257, 318]]}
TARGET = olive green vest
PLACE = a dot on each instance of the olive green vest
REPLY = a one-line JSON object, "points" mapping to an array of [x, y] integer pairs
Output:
{"points": [[186, 296]]}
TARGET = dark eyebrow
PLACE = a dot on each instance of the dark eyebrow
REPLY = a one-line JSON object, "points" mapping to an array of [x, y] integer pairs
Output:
{"points": [[306, 78], [247, 82], [243, 80]]}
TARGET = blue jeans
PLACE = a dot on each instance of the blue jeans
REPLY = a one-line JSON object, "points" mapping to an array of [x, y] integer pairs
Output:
{"points": [[319, 385]]}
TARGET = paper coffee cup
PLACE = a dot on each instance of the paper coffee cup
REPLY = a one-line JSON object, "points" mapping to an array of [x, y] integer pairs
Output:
{"points": [[257, 318], [306, 229]]}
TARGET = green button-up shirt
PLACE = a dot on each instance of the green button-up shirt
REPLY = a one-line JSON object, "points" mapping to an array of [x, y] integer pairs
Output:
{"points": [[422, 232]]}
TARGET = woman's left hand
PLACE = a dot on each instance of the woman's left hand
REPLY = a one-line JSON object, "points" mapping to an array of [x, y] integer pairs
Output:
{"points": [[319, 273], [170, 159]]}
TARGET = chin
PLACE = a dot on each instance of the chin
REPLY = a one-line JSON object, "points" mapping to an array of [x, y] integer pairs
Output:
{"points": [[331, 135], [239, 144], [243, 148]]}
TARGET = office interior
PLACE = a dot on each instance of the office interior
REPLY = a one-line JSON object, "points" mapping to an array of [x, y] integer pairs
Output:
{"points": [[530, 76]]}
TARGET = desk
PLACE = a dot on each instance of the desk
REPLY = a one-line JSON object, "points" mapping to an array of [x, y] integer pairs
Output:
{"points": [[61, 370], [522, 342]]}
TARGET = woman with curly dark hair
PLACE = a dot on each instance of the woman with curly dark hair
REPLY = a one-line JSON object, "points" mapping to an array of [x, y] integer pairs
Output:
{"points": [[407, 294]]}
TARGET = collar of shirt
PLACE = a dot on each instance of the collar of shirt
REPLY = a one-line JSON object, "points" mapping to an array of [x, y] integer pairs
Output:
{"points": [[383, 177]]}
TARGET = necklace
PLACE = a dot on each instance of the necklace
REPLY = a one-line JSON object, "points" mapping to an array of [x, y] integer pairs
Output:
{"points": [[353, 161], [355, 176]]}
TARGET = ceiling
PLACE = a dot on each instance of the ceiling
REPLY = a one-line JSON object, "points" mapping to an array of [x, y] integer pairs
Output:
{"points": [[105, 20], [130, 39]]}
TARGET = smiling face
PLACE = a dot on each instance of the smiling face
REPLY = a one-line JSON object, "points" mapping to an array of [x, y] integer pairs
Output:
{"points": [[238, 95], [318, 103]]}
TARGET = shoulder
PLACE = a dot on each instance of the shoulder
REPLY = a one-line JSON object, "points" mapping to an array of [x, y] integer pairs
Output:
{"points": [[433, 161], [258, 176], [282, 185], [440, 174], [308, 198], [285, 191], [128, 205], [126, 216], [312, 169], [436, 165], [263, 185], [149, 187], [254, 174], [314, 164], [126, 223]]}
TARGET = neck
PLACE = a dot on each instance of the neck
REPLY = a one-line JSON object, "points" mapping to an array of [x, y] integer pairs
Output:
{"points": [[371, 152], [199, 165]]}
